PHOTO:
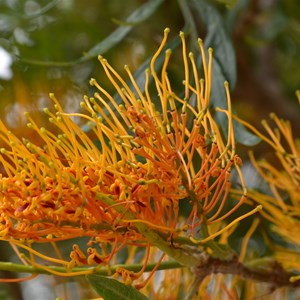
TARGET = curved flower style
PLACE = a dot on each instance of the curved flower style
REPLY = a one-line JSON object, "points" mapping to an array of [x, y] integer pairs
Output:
{"points": [[154, 151], [282, 203]]}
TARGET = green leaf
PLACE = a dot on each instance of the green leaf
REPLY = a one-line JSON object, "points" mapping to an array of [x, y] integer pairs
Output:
{"points": [[218, 39], [111, 289], [139, 15]]}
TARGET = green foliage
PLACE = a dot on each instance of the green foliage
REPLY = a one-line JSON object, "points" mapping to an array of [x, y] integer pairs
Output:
{"points": [[218, 38], [139, 15], [111, 289]]}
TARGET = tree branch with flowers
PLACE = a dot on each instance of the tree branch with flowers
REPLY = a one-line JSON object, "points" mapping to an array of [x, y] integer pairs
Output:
{"points": [[157, 184]]}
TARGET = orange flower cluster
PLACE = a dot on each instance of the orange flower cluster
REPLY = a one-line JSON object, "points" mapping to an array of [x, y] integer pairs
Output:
{"points": [[154, 150], [282, 202]]}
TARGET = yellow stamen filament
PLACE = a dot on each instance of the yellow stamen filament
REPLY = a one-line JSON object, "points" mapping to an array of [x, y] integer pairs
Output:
{"points": [[206, 78], [197, 83], [165, 93], [32, 251], [212, 236], [209, 74], [155, 56], [162, 228], [246, 238], [186, 66]]}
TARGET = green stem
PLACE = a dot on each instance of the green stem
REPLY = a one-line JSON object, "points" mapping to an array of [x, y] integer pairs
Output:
{"points": [[105, 271]]}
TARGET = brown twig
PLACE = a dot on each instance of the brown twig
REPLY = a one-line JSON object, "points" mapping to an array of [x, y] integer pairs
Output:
{"points": [[276, 276]]}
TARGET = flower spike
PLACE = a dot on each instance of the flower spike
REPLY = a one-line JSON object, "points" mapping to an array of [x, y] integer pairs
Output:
{"points": [[152, 154]]}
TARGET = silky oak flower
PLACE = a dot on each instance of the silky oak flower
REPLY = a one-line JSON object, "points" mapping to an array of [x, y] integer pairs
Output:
{"points": [[154, 150]]}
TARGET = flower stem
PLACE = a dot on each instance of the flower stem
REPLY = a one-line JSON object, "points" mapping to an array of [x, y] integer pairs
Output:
{"points": [[12, 267]]}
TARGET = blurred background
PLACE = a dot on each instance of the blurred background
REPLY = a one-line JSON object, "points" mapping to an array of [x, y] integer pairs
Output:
{"points": [[52, 46]]}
